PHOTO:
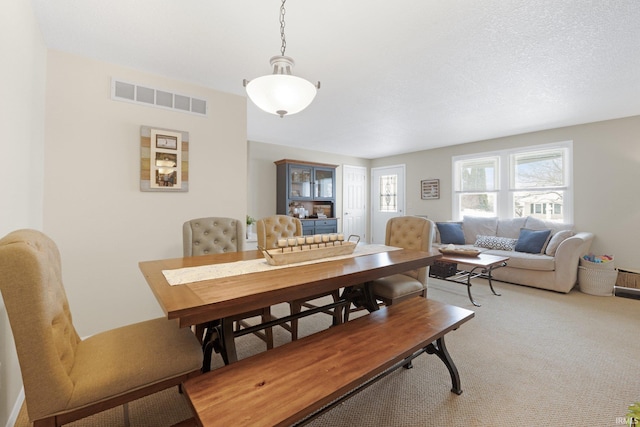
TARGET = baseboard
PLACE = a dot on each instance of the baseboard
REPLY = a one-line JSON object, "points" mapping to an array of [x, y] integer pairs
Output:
{"points": [[632, 293], [13, 416]]}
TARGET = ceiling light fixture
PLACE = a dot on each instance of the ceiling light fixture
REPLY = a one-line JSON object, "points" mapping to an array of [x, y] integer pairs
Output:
{"points": [[281, 93]]}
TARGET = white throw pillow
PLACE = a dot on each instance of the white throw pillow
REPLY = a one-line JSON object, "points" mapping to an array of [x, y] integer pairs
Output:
{"points": [[555, 241]]}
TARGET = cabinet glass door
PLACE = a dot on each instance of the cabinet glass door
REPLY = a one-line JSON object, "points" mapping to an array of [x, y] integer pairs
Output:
{"points": [[300, 182], [323, 183]]}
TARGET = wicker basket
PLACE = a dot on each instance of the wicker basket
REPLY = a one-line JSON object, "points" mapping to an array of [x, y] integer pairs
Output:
{"points": [[597, 265], [598, 282], [442, 270]]}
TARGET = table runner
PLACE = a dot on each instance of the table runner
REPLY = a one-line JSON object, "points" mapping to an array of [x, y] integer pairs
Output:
{"points": [[186, 275]]}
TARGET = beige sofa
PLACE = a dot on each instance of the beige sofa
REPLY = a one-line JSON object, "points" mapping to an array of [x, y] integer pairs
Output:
{"points": [[554, 268]]}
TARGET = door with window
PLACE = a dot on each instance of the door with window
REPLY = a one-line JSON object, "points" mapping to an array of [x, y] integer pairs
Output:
{"points": [[387, 198]]}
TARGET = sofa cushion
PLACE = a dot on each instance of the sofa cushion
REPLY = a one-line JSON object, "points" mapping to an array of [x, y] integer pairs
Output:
{"points": [[525, 261], [495, 242], [450, 233], [532, 241], [555, 241], [533, 223], [474, 226], [510, 227]]}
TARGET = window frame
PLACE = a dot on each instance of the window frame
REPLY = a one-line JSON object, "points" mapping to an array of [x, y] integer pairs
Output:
{"points": [[506, 167]]}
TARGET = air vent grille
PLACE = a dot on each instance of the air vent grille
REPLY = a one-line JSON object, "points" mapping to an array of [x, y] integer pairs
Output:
{"points": [[138, 94]]}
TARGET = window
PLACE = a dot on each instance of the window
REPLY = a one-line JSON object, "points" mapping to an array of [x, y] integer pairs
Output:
{"points": [[389, 193], [532, 181]]}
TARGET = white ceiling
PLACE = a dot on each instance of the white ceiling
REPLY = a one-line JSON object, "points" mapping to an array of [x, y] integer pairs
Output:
{"points": [[397, 76]]}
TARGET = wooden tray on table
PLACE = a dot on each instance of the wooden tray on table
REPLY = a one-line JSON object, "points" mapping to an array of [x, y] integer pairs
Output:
{"points": [[295, 254], [460, 252]]}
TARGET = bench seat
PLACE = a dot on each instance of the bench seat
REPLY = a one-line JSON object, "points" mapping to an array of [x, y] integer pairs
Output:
{"points": [[289, 383]]}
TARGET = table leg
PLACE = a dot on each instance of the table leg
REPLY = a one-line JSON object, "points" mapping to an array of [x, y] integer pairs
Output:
{"points": [[369, 301], [488, 273], [361, 297], [439, 349], [469, 275], [227, 340], [210, 343]]}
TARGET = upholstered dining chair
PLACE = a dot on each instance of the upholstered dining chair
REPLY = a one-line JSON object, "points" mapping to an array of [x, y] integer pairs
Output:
{"points": [[407, 232], [202, 236], [67, 378], [212, 235], [269, 230]]}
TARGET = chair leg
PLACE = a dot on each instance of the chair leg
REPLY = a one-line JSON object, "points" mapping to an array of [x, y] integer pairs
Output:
{"points": [[125, 408], [200, 331], [337, 312], [266, 317], [296, 307]]}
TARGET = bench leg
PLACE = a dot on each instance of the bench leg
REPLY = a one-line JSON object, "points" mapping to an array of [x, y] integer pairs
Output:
{"points": [[439, 349]]}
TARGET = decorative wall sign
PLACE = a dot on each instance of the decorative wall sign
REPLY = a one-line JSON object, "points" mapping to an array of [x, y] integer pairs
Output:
{"points": [[430, 189], [164, 159]]}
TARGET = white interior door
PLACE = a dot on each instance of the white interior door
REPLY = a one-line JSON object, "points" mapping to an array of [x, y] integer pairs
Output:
{"points": [[387, 198], [354, 201]]}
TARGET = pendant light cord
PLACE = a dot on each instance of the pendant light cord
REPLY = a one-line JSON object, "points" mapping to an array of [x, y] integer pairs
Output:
{"points": [[282, 24]]}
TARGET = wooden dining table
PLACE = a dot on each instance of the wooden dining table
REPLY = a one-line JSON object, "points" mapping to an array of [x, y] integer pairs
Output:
{"points": [[208, 300]]}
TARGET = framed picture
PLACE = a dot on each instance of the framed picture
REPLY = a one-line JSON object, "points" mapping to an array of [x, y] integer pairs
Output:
{"points": [[430, 189], [164, 160], [168, 142]]}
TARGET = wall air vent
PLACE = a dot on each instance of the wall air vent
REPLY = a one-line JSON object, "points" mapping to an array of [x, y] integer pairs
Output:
{"points": [[138, 94]]}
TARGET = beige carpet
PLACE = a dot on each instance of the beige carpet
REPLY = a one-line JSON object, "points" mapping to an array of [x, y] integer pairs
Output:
{"points": [[529, 357]]}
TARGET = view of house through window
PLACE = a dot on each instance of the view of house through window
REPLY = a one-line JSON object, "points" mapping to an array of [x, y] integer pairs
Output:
{"points": [[389, 193], [532, 181]]}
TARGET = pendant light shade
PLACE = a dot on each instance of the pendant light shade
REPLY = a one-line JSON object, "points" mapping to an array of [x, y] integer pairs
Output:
{"points": [[281, 93]]}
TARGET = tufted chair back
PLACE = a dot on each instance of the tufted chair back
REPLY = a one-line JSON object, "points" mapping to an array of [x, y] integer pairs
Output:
{"points": [[275, 227], [45, 338], [212, 235], [66, 378], [411, 232]]}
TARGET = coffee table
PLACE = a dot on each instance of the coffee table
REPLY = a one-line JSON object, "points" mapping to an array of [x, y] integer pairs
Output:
{"points": [[481, 266]]}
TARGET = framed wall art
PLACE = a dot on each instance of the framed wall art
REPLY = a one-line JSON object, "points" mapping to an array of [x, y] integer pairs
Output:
{"points": [[164, 159], [430, 189]]}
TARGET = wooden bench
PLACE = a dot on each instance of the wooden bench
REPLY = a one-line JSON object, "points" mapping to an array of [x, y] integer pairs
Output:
{"points": [[294, 382]]}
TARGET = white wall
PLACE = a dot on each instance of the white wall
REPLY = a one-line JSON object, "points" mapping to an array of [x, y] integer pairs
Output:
{"points": [[93, 207], [22, 79], [606, 160], [261, 192]]}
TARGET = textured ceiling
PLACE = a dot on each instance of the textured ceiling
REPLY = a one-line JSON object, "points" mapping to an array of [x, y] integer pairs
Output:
{"points": [[396, 77]]}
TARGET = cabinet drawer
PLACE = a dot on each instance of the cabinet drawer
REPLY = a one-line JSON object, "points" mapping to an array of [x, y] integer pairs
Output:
{"points": [[326, 229], [308, 228], [326, 222]]}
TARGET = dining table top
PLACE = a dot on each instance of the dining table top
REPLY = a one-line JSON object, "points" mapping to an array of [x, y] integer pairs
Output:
{"points": [[210, 299]]}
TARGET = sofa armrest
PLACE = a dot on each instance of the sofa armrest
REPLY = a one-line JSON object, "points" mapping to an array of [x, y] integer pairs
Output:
{"points": [[567, 257]]}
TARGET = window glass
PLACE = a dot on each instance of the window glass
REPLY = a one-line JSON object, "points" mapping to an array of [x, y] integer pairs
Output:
{"points": [[478, 204], [478, 174], [532, 181], [389, 193], [546, 205], [538, 169]]}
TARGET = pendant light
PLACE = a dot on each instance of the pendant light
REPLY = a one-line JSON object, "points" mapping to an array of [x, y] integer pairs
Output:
{"points": [[281, 92]]}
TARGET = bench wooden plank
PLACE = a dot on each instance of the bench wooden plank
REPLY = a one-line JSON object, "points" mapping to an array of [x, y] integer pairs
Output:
{"points": [[286, 384]]}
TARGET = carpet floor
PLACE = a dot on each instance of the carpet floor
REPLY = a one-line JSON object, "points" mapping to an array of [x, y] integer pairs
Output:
{"points": [[528, 357]]}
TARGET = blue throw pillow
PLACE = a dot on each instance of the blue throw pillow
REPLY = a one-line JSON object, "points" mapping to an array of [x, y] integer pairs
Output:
{"points": [[450, 233], [532, 241]]}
